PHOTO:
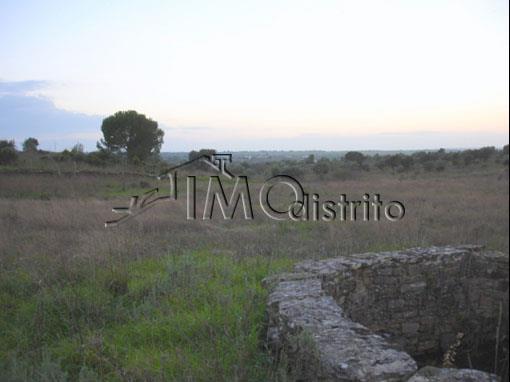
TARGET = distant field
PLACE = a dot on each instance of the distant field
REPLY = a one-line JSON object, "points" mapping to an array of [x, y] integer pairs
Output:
{"points": [[163, 298]]}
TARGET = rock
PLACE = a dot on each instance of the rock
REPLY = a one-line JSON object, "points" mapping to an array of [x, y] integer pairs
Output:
{"points": [[338, 349], [323, 318], [434, 374]]}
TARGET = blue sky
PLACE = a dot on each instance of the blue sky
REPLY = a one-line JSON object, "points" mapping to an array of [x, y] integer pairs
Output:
{"points": [[259, 74]]}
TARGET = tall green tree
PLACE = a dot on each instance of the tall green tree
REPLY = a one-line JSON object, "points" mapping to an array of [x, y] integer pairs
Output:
{"points": [[30, 144], [131, 133]]}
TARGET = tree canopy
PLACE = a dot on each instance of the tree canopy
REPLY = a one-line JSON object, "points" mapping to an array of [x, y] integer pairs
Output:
{"points": [[135, 134], [355, 156], [30, 144], [197, 154]]}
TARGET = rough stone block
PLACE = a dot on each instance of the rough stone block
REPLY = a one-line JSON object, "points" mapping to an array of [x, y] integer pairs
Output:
{"points": [[417, 298], [434, 374]]}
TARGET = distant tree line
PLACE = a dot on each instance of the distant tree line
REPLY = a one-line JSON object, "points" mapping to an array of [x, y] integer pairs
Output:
{"points": [[127, 137], [354, 163]]}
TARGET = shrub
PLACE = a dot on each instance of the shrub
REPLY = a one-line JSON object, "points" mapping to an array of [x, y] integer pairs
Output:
{"points": [[355, 156], [428, 166], [8, 152], [100, 158], [343, 173], [293, 171], [440, 166], [321, 167], [397, 162]]}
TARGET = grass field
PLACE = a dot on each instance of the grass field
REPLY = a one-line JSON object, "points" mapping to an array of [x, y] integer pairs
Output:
{"points": [[163, 298]]}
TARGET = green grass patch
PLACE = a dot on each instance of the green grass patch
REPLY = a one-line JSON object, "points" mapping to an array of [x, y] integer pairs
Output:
{"points": [[195, 317]]}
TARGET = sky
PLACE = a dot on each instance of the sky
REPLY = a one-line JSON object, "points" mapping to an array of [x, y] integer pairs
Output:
{"points": [[252, 75]]}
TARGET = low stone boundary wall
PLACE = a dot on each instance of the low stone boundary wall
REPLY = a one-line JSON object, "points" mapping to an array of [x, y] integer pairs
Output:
{"points": [[361, 317]]}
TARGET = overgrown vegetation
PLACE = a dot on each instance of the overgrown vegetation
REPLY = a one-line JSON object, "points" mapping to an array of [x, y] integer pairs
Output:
{"points": [[8, 152], [163, 298], [349, 166], [193, 316]]}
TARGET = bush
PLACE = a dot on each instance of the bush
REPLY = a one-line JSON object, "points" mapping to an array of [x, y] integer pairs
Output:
{"points": [[428, 166], [8, 152], [293, 171], [355, 156], [398, 162], [321, 167], [100, 158], [440, 166], [195, 155], [343, 173]]}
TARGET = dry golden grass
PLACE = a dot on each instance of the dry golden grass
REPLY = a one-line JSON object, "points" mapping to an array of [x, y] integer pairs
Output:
{"points": [[69, 226], [53, 239]]}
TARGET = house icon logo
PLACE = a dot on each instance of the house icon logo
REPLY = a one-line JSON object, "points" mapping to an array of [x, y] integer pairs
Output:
{"points": [[217, 162], [302, 206]]}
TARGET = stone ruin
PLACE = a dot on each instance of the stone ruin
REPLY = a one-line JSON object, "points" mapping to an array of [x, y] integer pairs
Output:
{"points": [[380, 316]]}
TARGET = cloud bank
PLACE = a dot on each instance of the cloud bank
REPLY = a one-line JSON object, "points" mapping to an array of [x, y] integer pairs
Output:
{"points": [[25, 114]]}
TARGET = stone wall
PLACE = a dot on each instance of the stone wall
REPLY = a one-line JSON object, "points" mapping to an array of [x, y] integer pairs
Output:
{"points": [[365, 314]]}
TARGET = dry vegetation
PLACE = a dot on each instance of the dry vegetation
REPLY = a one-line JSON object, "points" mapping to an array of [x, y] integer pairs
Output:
{"points": [[163, 298]]}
